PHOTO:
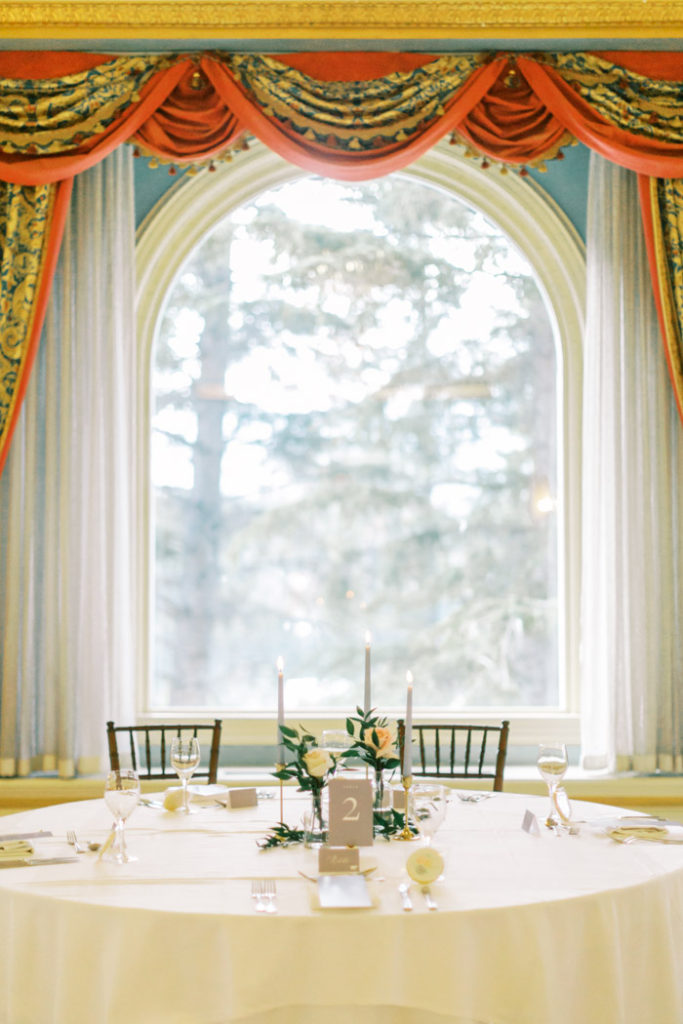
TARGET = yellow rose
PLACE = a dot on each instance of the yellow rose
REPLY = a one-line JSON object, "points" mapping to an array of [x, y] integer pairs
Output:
{"points": [[386, 739], [318, 762]]}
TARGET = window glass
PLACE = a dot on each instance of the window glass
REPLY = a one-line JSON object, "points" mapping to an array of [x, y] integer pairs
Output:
{"points": [[354, 430]]}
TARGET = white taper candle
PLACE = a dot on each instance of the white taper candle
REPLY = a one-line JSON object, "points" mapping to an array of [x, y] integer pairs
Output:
{"points": [[367, 698], [280, 709], [408, 735]]}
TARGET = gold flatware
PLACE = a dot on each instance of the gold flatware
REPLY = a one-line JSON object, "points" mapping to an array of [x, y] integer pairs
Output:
{"points": [[34, 862], [106, 844]]}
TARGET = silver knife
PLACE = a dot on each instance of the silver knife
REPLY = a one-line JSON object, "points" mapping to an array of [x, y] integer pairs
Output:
{"points": [[429, 899], [405, 896], [34, 862]]}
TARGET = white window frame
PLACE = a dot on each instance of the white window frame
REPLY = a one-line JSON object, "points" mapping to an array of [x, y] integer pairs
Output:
{"points": [[553, 248]]}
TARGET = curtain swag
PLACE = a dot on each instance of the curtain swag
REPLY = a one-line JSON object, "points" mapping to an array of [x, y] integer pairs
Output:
{"points": [[350, 116]]}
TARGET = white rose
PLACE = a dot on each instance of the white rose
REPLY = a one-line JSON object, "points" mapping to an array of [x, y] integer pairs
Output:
{"points": [[318, 762]]}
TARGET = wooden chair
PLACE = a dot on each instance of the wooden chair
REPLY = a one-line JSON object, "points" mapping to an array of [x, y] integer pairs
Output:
{"points": [[150, 748], [459, 751]]}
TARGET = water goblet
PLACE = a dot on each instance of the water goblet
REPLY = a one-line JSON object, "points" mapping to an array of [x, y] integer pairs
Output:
{"points": [[429, 802], [121, 795], [552, 764], [335, 742], [185, 756]]}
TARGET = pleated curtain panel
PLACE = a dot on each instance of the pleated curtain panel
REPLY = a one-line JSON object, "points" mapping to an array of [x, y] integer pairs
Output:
{"points": [[69, 612], [632, 500], [351, 116]]}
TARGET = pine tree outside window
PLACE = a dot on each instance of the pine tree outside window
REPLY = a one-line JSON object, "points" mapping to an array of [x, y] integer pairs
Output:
{"points": [[357, 425]]}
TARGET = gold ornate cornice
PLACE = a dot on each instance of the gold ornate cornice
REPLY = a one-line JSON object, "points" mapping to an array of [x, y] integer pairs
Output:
{"points": [[341, 19]]}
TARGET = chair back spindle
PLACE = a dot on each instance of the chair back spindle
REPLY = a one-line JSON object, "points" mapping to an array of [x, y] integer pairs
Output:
{"points": [[474, 751], [145, 740]]}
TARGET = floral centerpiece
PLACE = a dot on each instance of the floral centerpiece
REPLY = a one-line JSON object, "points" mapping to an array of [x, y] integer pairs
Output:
{"points": [[374, 742], [312, 767]]}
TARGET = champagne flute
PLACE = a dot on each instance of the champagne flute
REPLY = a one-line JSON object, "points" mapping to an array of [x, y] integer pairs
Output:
{"points": [[121, 795], [429, 802], [185, 755], [552, 764]]}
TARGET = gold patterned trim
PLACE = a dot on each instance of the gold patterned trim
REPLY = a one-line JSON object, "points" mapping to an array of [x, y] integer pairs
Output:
{"points": [[669, 275], [341, 19]]}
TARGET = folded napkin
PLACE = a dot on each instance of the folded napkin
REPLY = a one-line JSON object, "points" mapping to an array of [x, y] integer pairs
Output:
{"points": [[15, 849], [637, 830], [650, 832]]}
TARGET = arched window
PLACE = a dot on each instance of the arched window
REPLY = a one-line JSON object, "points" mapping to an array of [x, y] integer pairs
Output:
{"points": [[363, 418]]}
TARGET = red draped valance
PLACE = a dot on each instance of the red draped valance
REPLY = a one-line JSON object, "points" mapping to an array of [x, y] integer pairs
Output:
{"points": [[349, 115]]}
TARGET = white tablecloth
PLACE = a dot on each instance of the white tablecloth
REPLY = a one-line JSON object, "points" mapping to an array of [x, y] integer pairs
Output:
{"points": [[532, 929]]}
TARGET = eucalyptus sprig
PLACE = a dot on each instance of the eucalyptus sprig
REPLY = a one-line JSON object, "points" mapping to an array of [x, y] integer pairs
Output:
{"points": [[384, 826], [280, 836], [374, 740], [389, 823]]}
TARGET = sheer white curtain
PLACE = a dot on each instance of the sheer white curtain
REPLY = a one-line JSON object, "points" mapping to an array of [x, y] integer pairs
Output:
{"points": [[632, 573], [67, 501]]}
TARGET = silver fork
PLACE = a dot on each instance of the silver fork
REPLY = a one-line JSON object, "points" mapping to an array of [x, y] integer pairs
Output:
{"points": [[72, 841], [257, 896], [269, 893], [429, 899]]}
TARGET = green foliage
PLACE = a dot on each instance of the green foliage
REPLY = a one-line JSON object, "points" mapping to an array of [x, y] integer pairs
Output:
{"points": [[302, 745], [390, 823], [385, 825], [367, 742], [280, 836]]}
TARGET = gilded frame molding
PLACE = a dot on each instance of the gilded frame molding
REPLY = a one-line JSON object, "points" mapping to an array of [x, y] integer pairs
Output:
{"points": [[232, 20]]}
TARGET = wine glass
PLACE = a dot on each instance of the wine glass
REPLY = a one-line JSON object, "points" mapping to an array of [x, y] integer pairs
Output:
{"points": [[185, 755], [335, 742], [552, 764], [121, 795], [429, 802]]}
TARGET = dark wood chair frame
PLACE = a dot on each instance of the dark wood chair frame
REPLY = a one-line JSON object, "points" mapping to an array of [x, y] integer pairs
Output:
{"points": [[448, 739], [146, 769]]}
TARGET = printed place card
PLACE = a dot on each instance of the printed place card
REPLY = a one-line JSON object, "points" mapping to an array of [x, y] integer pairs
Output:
{"points": [[350, 812], [338, 860], [243, 797], [399, 799], [530, 823]]}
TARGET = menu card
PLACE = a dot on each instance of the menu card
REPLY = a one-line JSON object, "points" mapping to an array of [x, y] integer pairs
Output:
{"points": [[343, 891]]}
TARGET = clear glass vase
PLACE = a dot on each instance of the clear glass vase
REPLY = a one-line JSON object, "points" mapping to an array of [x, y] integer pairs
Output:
{"points": [[381, 796], [315, 819]]}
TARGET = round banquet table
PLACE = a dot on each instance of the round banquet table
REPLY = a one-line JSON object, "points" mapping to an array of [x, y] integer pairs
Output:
{"points": [[531, 928]]}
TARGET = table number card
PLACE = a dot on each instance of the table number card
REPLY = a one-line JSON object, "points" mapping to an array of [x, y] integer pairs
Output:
{"points": [[350, 812]]}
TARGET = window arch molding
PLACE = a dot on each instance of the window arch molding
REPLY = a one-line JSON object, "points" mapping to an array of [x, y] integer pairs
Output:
{"points": [[533, 222]]}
